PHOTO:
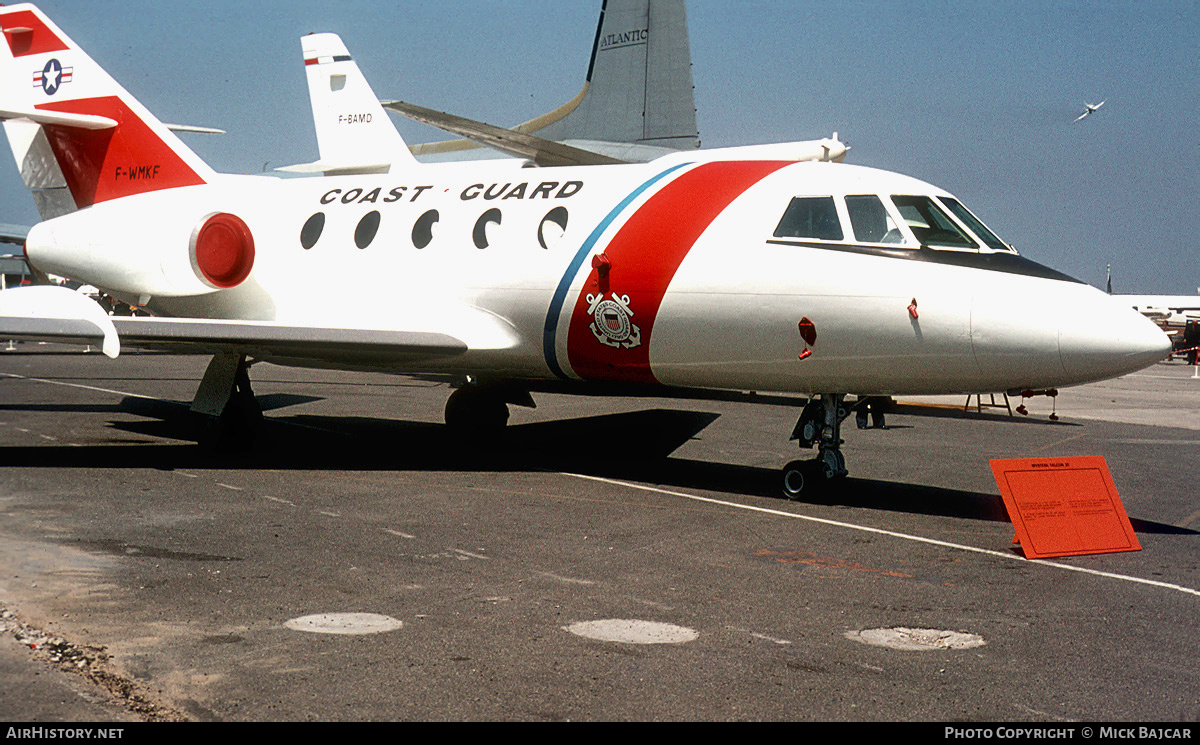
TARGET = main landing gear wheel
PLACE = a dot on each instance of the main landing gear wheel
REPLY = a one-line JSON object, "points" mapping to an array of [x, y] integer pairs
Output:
{"points": [[236, 429], [475, 411], [230, 417]]}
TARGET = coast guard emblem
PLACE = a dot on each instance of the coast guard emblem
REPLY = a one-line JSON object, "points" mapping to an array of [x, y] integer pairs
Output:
{"points": [[610, 321]]}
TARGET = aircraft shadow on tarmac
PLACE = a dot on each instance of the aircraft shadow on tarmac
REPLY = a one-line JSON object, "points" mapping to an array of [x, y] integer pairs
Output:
{"points": [[634, 446]]}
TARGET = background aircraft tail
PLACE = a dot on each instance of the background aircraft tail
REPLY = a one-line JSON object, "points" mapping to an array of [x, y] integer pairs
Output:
{"points": [[78, 137], [641, 47], [354, 133], [638, 89]]}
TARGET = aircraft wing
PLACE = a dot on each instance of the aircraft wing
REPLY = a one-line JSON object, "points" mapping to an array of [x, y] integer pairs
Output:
{"points": [[541, 151], [57, 314], [265, 340]]}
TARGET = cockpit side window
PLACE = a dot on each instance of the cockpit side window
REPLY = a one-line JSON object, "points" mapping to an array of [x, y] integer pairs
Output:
{"points": [[870, 220], [964, 215], [930, 224], [810, 217]]}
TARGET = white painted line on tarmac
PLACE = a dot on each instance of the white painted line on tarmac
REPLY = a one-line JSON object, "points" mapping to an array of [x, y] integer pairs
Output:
{"points": [[78, 385], [1147, 441], [567, 580], [892, 533], [756, 635], [1188, 520]]}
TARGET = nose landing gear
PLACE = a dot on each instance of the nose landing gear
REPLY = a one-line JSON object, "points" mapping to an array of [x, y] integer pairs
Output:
{"points": [[820, 424]]}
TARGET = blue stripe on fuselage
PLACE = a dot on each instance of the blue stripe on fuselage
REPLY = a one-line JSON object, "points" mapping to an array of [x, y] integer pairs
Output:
{"points": [[564, 284]]}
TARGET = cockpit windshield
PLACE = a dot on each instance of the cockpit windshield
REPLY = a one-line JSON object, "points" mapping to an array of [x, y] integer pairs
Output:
{"points": [[931, 225], [896, 221], [972, 222]]}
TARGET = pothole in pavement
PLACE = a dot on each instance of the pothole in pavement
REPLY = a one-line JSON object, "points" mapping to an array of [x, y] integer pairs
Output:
{"points": [[904, 638], [344, 623], [632, 631]]}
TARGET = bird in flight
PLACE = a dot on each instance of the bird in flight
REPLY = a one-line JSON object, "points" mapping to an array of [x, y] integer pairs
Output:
{"points": [[1089, 108]]}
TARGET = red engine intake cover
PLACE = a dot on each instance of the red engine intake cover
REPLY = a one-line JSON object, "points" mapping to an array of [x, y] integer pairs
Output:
{"points": [[223, 250]]}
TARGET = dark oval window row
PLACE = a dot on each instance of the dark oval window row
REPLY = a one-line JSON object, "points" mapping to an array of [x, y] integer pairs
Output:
{"points": [[551, 228]]}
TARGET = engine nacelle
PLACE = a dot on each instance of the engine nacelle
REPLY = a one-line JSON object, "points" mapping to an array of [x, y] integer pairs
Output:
{"points": [[222, 251], [146, 246]]}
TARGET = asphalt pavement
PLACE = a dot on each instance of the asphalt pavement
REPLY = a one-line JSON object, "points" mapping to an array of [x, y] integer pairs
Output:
{"points": [[607, 559]]}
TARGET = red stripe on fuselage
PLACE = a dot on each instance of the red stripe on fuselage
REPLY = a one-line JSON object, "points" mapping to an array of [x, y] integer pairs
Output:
{"points": [[103, 164], [642, 260], [37, 40]]}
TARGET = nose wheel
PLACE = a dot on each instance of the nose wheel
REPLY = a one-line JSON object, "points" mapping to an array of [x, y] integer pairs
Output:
{"points": [[820, 424], [800, 478]]}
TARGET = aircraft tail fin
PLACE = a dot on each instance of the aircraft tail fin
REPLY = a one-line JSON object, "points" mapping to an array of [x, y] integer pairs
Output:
{"points": [[354, 133], [78, 137], [639, 82], [638, 89]]}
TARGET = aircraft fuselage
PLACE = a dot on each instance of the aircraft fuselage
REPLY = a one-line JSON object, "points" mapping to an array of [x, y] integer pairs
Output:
{"points": [[672, 272]]}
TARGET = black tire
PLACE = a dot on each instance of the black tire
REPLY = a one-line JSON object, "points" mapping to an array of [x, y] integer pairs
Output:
{"points": [[474, 412], [799, 478], [235, 431]]}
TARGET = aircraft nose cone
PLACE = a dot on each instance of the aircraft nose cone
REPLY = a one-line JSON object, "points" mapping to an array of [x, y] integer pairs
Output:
{"points": [[1105, 339]]}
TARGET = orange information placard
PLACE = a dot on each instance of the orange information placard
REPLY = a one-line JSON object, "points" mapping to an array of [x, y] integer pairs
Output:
{"points": [[1064, 506]]}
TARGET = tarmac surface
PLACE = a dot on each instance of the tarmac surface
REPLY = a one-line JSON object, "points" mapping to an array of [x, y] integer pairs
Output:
{"points": [[608, 559]]}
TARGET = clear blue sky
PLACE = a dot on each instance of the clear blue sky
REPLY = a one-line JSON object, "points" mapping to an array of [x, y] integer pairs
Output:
{"points": [[976, 97]]}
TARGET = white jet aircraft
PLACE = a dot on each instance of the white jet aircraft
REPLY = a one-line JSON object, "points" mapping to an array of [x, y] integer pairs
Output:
{"points": [[720, 269], [1090, 109]]}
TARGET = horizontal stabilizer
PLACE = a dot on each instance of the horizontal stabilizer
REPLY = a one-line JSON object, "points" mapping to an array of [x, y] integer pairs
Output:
{"points": [[335, 168], [13, 233], [541, 151], [82, 121], [194, 129], [827, 149]]}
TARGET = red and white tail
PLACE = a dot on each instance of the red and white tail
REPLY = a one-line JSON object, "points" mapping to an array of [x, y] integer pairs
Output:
{"points": [[74, 129]]}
